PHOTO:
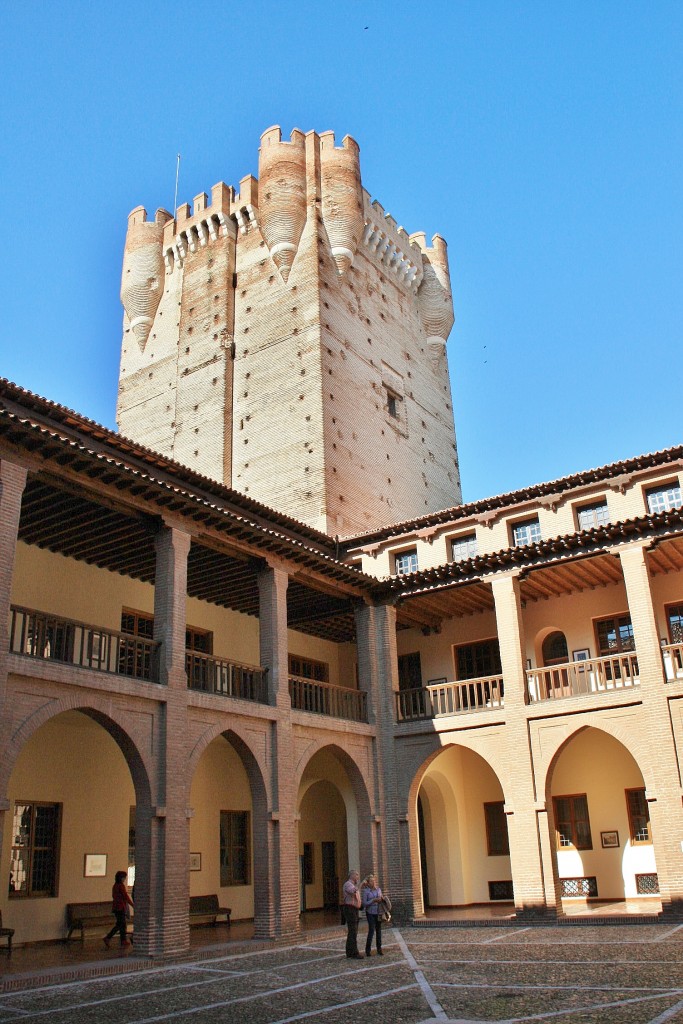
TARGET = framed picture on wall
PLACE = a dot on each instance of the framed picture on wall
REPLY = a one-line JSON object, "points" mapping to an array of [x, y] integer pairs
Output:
{"points": [[95, 865], [195, 862], [582, 655], [610, 840], [436, 682]]}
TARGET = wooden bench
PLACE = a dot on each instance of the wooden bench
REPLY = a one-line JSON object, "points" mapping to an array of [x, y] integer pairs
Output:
{"points": [[6, 933], [80, 915], [207, 906]]}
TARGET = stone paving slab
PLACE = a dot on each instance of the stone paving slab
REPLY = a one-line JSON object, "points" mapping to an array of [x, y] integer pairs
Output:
{"points": [[473, 976]]}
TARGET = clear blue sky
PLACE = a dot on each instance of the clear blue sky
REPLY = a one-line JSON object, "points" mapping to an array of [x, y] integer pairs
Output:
{"points": [[542, 140]]}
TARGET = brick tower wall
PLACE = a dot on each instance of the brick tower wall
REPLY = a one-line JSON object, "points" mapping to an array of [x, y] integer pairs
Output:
{"points": [[297, 349]]}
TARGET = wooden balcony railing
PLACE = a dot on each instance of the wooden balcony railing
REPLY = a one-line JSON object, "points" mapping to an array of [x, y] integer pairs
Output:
{"points": [[450, 698], [41, 635], [672, 656], [228, 678], [596, 675], [326, 699]]}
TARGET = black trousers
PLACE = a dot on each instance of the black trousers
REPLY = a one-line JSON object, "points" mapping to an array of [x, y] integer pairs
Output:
{"points": [[351, 918], [374, 927], [120, 925]]}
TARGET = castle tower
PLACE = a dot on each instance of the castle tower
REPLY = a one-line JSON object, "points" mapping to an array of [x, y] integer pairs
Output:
{"points": [[289, 340]]}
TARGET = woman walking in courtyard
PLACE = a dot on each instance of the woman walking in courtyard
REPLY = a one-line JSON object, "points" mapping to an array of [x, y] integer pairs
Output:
{"points": [[120, 903]]}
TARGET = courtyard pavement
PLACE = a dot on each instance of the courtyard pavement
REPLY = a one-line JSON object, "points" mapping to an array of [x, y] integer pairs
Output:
{"points": [[629, 974]]}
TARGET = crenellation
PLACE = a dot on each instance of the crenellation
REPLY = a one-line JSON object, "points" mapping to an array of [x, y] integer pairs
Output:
{"points": [[393, 246]]}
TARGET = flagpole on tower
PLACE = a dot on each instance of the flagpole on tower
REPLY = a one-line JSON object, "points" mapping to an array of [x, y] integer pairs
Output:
{"points": [[175, 198]]}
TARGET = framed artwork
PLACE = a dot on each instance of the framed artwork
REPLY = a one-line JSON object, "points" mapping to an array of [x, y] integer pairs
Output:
{"points": [[195, 862], [436, 682], [582, 655], [95, 865], [528, 664], [610, 840]]}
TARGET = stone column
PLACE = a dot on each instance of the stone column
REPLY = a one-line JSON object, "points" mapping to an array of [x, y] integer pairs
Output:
{"points": [[378, 674], [12, 484], [276, 909], [162, 886], [663, 789], [531, 857]]}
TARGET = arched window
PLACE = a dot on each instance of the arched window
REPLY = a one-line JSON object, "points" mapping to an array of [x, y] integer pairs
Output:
{"points": [[555, 649]]}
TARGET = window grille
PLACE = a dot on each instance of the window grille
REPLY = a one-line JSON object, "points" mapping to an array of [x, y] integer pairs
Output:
{"points": [[579, 886], [647, 885], [501, 891]]}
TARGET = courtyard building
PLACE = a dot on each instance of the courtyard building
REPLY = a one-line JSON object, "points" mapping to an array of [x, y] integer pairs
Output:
{"points": [[256, 639]]}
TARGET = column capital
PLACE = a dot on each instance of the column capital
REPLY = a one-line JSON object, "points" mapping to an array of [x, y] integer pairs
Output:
{"points": [[12, 474], [516, 573], [642, 544], [276, 562]]}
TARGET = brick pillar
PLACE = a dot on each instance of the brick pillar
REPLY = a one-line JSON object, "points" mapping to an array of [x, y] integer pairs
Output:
{"points": [[531, 856], [12, 483], [663, 789], [162, 886], [276, 908], [378, 674]]}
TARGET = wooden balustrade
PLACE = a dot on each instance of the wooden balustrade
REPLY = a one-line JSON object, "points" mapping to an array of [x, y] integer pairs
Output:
{"points": [[595, 675], [326, 699], [442, 699], [228, 678], [41, 635], [672, 656]]}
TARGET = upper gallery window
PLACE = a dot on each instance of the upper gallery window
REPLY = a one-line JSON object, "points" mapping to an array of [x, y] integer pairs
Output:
{"points": [[307, 668], [464, 547], [591, 516], [674, 614], [525, 533], [478, 660], [662, 499], [614, 635], [405, 562]]}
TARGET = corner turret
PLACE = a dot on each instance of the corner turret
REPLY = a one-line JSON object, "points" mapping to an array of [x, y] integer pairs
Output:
{"points": [[282, 193], [342, 197], [143, 270], [434, 297]]}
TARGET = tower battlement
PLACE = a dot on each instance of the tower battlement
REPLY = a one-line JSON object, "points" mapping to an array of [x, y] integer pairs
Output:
{"points": [[277, 317]]}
